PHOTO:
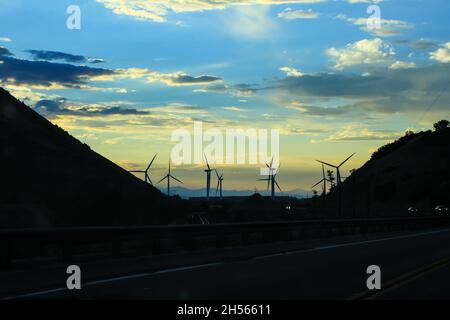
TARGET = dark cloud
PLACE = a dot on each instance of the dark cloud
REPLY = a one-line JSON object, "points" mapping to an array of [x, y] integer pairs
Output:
{"points": [[384, 91], [58, 107], [5, 52], [240, 90], [61, 56], [46, 73], [421, 44], [186, 79]]}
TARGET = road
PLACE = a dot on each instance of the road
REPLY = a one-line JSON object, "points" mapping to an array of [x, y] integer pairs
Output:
{"points": [[413, 266]]}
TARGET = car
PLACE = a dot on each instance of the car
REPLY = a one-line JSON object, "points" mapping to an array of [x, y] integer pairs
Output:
{"points": [[413, 210], [441, 209]]}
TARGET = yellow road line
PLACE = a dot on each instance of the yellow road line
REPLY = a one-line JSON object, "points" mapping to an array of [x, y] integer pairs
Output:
{"points": [[400, 281]]}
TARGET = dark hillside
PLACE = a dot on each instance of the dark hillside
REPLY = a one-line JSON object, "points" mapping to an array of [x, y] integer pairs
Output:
{"points": [[49, 178]]}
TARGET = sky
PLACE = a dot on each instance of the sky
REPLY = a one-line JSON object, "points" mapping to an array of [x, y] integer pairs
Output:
{"points": [[319, 71]]}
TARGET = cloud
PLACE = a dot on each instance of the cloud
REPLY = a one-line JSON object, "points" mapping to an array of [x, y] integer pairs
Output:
{"points": [[5, 52], [292, 72], [237, 90], [61, 56], [316, 111], [387, 28], [402, 65], [157, 10], [442, 54], [290, 14], [55, 75], [60, 106], [384, 91], [182, 79], [5, 39], [234, 109], [44, 74], [363, 52], [355, 133], [251, 23], [420, 44]]}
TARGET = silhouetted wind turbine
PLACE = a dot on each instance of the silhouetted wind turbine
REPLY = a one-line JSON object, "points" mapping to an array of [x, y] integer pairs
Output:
{"points": [[338, 172], [271, 180], [168, 176], [219, 183], [324, 181], [339, 181], [208, 178], [145, 172]]}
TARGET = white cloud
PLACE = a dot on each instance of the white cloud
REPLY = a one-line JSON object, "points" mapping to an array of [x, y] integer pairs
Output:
{"points": [[442, 54], [5, 39], [402, 65], [290, 14], [157, 10], [251, 22], [387, 28], [292, 72], [365, 51]]}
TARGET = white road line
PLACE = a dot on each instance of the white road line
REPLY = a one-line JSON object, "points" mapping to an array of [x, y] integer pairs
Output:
{"points": [[352, 244], [142, 275], [97, 282]]}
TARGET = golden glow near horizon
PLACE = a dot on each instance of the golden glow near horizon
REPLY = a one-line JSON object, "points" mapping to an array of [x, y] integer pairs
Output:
{"points": [[123, 76]]}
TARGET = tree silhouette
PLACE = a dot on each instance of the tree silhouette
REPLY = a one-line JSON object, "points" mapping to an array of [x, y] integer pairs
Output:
{"points": [[441, 125], [331, 179]]}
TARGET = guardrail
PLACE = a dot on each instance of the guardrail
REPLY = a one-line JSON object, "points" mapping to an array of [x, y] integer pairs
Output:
{"points": [[70, 244]]}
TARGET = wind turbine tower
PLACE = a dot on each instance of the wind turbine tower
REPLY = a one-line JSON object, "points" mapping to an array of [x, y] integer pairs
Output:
{"points": [[219, 184], [168, 177], [208, 177]]}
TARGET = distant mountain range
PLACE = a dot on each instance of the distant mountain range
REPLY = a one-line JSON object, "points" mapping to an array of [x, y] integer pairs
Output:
{"points": [[186, 193]]}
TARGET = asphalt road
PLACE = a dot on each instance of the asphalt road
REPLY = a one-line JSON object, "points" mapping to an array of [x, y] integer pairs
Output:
{"points": [[413, 266]]}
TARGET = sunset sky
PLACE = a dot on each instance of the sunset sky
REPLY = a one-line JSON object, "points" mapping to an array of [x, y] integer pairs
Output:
{"points": [[138, 70]]}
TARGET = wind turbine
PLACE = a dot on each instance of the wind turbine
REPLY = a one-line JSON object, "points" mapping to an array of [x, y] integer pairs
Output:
{"points": [[145, 172], [219, 183], [271, 180], [208, 178], [168, 176], [339, 181], [324, 181], [338, 172]]}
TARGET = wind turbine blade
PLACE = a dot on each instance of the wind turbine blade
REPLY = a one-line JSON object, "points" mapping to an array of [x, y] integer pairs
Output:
{"points": [[317, 184], [271, 162], [149, 180], [328, 164], [151, 162], [207, 163], [346, 160], [276, 183], [137, 171], [163, 179], [217, 174], [323, 171], [267, 165], [176, 179]]}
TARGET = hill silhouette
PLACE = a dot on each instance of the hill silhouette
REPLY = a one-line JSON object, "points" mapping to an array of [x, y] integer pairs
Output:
{"points": [[410, 172], [49, 178]]}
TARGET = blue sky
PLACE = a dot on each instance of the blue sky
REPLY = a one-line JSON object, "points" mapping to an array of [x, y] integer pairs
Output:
{"points": [[309, 68]]}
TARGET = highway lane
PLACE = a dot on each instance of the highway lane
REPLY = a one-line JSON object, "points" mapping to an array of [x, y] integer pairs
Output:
{"points": [[415, 261]]}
